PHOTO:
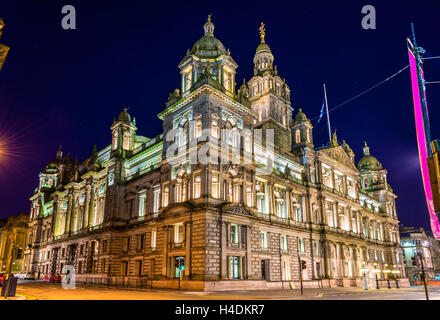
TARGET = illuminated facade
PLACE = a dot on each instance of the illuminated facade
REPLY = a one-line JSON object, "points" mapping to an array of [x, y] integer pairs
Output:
{"points": [[3, 48], [13, 232], [134, 209], [414, 241]]}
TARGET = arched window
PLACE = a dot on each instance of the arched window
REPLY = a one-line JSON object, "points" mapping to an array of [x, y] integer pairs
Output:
{"points": [[198, 126], [308, 135], [214, 127], [297, 136]]}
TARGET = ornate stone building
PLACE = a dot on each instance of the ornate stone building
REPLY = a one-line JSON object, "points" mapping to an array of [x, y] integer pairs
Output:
{"points": [[416, 241], [13, 231], [3, 48], [167, 207]]}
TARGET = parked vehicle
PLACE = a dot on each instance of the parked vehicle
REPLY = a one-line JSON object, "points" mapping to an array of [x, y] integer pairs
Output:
{"points": [[52, 278], [29, 276]]}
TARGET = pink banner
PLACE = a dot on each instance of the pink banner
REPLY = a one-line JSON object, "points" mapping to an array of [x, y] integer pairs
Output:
{"points": [[421, 141]]}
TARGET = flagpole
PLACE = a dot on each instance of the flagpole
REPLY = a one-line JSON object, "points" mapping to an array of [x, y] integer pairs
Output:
{"points": [[328, 116]]}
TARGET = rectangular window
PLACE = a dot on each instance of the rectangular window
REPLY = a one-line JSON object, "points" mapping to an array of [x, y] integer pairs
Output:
{"points": [[156, 196], [165, 196], [153, 239], [142, 203], [126, 245], [197, 187], [140, 242], [138, 267], [234, 233], [283, 240], [316, 248], [263, 240], [124, 268], [215, 186], [249, 197], [178, 233], [234, 267], [301, 245]]}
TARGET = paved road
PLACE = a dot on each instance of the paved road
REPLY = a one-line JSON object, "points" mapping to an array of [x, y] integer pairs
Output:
{"points": [[52, 291]]}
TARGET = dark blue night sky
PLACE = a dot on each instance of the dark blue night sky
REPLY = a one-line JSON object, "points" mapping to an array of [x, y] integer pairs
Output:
{"points": [[65, 87]]}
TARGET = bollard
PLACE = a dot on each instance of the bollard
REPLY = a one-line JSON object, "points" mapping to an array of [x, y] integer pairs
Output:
{"points": [[397, 284], [389, 285]]}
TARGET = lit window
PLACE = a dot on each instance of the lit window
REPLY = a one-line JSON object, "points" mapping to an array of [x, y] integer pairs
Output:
{"points": [[234, 267], [198, 127], [297, 136], [249, 196], [214, 128], [263, 240], [317, 248], [142, 202], [178, 233], [215, 186], [301, 245], [283, 240], [197, 187], [234, 233], [153, 239], [156, 196], [166, 192]]}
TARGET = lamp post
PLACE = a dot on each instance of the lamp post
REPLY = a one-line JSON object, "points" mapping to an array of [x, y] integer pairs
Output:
{"points": [[9, 272], [423, 275], [300, 274]]}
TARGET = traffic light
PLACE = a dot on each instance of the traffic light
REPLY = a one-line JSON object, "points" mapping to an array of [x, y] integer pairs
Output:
{"points": [[303, 264], [414, 260]]}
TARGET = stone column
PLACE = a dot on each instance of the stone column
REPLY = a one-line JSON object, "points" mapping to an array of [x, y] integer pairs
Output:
{"points": [[290, 204], [166, 239], [86, 208], [223, 264], [69, 213], [270, 197], [350, 224]]}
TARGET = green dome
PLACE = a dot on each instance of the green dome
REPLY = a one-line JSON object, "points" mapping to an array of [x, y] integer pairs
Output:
{"points": [[300, 116], [208, 46], [263, 47], [368, 162], [124, 116]]}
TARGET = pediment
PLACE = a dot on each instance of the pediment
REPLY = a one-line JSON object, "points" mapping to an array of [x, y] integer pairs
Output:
{"points": [[338, 153], [237, 208]]}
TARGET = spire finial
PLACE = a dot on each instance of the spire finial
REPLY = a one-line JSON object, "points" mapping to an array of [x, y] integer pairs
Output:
{"points": [[262, 32], [366, 148], [209, 26]]}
